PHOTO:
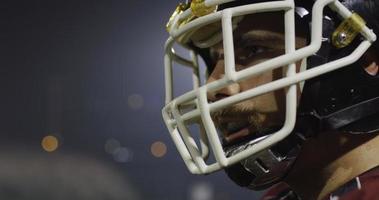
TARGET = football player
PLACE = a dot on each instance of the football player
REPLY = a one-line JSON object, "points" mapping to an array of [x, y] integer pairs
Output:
{"points": [[289, 97]]}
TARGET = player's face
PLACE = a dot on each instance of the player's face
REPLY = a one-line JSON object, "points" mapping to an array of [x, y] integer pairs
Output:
{"points": [[259, 37]]}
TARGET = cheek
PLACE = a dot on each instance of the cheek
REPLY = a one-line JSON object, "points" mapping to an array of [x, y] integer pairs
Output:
{"points": [[270, 103], [256, 81], [266, 103]]}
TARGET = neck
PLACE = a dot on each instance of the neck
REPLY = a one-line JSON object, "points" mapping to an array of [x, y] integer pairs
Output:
{"points": [[331, 160]]}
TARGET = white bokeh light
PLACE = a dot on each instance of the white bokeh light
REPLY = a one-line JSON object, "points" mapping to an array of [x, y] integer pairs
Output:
{"points": [[135, 101], [202, 191], [112, 145], [123, 155]]}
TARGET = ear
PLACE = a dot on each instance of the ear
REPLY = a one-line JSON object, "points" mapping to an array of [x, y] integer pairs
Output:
{"points": [[371, 61]]}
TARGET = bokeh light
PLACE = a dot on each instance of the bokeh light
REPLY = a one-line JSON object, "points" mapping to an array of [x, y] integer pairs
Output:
{"points": [[112, 146], [201, 191], [135, 101], [50, 143], [123, 155], [158, 149]]}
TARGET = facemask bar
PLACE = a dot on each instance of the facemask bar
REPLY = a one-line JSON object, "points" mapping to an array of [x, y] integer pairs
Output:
{"points": [[194, 65], [174, 120]]}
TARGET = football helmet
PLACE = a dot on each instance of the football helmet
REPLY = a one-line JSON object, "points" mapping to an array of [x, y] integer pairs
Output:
{"points": [[334, 93]]}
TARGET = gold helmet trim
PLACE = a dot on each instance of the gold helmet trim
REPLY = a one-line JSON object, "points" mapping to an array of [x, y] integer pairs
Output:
{"points": [[347, 31], [179, 10], [199, 8]]}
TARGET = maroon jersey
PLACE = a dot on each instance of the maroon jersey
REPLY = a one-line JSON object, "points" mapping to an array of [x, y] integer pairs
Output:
{"points": [[362, 187]]}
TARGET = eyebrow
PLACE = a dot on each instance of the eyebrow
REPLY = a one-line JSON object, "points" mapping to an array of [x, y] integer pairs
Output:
{"points": [[255, 36], [270, 38], [261, 35]]}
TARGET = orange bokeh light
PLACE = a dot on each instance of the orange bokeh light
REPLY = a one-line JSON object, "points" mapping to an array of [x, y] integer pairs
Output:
{"points": [[158, 149]]}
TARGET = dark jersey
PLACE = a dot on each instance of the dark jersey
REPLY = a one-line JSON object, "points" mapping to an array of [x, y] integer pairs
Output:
{"points": [[363, 187]]}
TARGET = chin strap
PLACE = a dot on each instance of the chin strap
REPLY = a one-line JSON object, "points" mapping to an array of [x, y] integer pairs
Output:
{"points": [[362, 118], [266, 168]]}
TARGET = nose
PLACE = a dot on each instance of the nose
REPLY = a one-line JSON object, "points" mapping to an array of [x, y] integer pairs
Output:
{"points": [[229, 90]]}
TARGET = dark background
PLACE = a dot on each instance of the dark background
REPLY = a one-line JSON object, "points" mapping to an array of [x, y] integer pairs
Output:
{"points": [[90, 73]]}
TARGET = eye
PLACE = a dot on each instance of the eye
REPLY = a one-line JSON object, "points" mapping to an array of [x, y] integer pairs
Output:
{"points": [[255, 49], [249, 51], [216, 54]]}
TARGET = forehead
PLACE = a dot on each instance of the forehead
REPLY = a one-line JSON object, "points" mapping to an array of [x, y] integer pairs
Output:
{"points": [[211, 33], [259, 28], [261, 22]]}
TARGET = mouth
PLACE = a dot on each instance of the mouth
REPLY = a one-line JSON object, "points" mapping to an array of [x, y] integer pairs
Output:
{"points": [[240, 135], [241, 131], [234, 130]]}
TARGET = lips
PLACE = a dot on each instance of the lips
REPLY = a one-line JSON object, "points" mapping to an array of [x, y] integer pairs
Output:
{"points": [[232, 127], [235, 130]]}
